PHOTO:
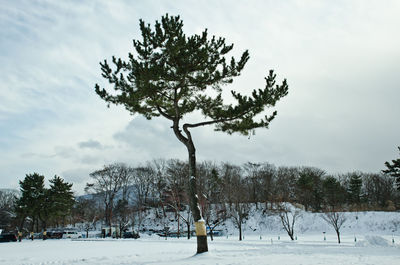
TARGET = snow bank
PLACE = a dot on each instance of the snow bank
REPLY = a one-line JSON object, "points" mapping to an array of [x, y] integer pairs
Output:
{"points": [[262, 222], [376, 241]]}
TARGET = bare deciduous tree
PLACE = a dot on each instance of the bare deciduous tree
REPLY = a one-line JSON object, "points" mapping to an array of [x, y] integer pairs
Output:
{"points": [[336, 220], [159, 168], [238, 206], [210, 186], [253, 181], [288, 216], [239, 213], [143, 178], [285, 184], [267, 174], [87, 212], [7, 204], [107, 183], [214, 215]]}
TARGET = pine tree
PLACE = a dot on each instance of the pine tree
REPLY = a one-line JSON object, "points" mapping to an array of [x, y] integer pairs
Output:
{"points": [[394, 170], [32, 199], [305, 188], [61, 198], [334, 192], [171, 75], [309, 187], [40, 204], [354, 189]]}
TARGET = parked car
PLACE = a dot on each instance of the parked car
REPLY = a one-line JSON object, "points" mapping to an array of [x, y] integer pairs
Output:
{"points": [[131, 234], [55, 234], [8, 237], [71, 234], [38, 235]]}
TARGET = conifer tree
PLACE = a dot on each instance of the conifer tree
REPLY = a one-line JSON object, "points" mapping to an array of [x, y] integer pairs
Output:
{"points": [[61, 198], [171, 75], [334, 192], [354, 189], [309, 187], [394, 170], [41, 204], [30, 204]]}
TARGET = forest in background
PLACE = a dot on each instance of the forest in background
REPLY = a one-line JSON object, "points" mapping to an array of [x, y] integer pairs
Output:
{"points": [[119, 195]]}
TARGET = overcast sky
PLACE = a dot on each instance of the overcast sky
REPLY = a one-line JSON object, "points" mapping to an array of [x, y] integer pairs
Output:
{"points": [[341, 60]]}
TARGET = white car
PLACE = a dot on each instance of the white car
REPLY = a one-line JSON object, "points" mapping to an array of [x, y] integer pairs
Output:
{"points": [[71, 234]]}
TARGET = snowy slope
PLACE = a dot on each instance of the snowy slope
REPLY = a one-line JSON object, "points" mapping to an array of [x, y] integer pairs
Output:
{"points": [[259, 223]]}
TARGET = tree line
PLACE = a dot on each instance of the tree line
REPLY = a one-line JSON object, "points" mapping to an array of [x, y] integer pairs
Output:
{"points": [[35, 207], [120, 195]]}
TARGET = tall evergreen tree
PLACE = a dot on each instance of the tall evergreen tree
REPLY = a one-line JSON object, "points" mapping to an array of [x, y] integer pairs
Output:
{"points": [[309, 187], [61, 198], [334, 192], [32, 199], [394, 170], [171, 75], [305, 190], [354, 188], [42, 205]]}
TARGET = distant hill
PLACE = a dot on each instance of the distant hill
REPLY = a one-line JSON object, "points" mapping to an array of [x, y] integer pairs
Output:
{"points": [[131, 196], [17, 192]]}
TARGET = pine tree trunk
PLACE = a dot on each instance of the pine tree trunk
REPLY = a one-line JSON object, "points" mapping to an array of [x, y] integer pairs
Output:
{"points": [[199, 223], [194, 204]]}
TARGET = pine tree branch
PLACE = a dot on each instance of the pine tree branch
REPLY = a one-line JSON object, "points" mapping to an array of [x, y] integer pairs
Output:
{"points": [[163, 113]]}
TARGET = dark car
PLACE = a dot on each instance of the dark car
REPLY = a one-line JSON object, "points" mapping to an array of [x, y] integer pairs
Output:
{"points": [[54, 234], [8, 237], [131, 235]]}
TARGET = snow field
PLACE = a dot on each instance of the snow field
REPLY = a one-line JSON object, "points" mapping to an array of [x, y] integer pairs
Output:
{"points": [[373, 231], [308, 249]]}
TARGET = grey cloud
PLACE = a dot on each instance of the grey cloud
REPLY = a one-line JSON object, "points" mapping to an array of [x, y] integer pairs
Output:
{"points": [[150, 139], [78, 176], [90, 159], [59, 151], [65, 152], [36, 155], [91, 144]]}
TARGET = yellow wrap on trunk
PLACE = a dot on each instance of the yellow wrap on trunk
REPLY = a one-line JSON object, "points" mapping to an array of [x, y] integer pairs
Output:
{"points": [[200, 227]]}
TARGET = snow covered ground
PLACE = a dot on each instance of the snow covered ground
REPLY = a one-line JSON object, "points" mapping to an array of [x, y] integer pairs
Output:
{"points": [[374, 233], [308, 249]]}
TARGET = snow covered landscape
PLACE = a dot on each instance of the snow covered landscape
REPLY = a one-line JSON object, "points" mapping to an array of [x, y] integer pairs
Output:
{"points": [[308, 249], [371, 238], [199, 132]]}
